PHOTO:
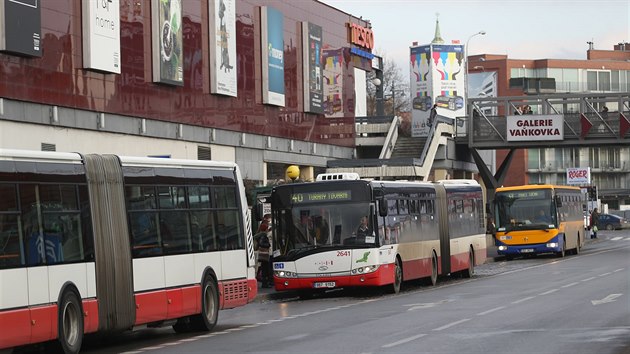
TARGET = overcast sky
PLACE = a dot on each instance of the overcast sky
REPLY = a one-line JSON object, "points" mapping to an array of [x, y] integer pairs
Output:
{"points": [[522, 29]]}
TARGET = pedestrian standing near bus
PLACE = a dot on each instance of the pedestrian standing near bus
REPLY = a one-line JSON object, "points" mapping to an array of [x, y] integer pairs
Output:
{"points": [[594, 223]]}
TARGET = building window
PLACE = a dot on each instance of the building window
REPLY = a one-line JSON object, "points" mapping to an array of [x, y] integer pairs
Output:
{"points": [[593, 159]]}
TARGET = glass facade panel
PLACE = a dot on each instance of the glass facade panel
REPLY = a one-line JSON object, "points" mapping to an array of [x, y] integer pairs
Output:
{"points": [[533, 156]]}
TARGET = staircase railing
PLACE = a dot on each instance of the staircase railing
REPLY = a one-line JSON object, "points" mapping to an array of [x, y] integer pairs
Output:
{"points": [[390, 139], [438, 135]]}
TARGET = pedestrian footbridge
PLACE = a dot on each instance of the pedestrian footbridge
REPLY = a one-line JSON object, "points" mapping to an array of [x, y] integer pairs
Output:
{"points": [[556, 120]]}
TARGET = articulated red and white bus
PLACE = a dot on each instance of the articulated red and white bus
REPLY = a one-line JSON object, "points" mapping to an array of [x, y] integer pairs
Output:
{"points": [[105, 243], [341, 231]]}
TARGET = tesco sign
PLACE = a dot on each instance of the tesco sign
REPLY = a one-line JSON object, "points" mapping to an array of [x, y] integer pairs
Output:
{"points": [[580, 175]]}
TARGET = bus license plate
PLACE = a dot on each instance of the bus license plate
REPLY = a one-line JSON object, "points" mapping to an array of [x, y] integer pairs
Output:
{"points": [[527, 250], [324, 284]]}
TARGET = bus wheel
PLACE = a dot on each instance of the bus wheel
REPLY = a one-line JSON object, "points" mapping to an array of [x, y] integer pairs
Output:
{"points": [[70, 323], [434, 270], [563, 251], [468, 273], [397, 277], [577, 248], [207, 319]]}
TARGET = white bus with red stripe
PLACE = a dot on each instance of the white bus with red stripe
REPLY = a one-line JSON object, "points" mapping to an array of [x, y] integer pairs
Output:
{"points": [[414, 230], [102, 243]]}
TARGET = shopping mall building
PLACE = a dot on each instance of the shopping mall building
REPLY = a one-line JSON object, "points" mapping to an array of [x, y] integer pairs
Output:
{"points": [[266, 84]]}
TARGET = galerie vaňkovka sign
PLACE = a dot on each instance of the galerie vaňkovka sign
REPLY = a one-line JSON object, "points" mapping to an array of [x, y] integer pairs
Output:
{"points": [[534, 127]]}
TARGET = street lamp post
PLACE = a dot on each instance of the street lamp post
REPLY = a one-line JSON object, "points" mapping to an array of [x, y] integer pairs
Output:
{"points": [[483, 33], [394, 98]]}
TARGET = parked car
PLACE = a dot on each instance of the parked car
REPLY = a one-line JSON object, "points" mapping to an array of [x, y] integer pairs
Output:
{"points": [[612, 222]]}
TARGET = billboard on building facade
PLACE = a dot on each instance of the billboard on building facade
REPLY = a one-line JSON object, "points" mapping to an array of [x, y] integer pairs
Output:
{"points": [[222, 15], [333, 82], [312, 64], [580, 176], [437, 77], [420, 89], [168, 58], [272, 37], [20, 27], [101, 35]]}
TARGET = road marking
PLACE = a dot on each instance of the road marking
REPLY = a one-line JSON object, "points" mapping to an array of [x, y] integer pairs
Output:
{"points": [[523, 299], [235, 329], [569, 285], [402, 341], [605, 274], [587, 279], [491, 311], [607, 299], [617, 270], [616, 238], [151, 348], [451, 324], [549, 292], [188, 340], [426, 305]]}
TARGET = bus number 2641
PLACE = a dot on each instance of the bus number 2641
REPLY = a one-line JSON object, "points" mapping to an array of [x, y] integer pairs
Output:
{"points": [[343, 253]]}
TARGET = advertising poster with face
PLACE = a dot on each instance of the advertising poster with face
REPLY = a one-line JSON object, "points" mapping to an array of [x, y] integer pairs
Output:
{"points": [[168, 58], [223, 79]]}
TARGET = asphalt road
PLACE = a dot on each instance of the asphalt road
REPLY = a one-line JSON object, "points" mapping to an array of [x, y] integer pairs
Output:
{"points": [[577, 304]]}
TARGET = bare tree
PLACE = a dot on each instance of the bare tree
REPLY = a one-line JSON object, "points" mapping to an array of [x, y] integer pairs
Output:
{"points": [[395, 89]]}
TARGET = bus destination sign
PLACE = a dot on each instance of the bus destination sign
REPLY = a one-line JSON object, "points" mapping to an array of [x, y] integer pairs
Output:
{"points": [[534, 194], [317, 197]]}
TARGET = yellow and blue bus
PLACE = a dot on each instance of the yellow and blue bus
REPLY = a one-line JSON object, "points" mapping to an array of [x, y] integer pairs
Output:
{"points": [[538, 219]]}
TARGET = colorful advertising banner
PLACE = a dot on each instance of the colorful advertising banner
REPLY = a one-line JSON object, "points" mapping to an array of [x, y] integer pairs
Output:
{"points": [[437, 77], [168, 58], [419, 87], [333, 82], [20, 27], [272, 37], [222, 14], [101, 35], [529, 127], [312, 64]]}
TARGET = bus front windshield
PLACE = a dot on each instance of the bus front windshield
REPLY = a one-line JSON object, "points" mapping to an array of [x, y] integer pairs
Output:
{"points": [[307, 227], [525, 209]]}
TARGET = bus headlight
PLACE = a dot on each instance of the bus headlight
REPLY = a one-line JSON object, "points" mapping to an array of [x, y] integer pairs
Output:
{"points": [[552, 245], [364, 270], [502, 248], [285, 274]]}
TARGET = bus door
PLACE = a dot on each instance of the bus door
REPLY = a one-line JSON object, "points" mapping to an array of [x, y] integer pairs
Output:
{"points": [[445, 241]]}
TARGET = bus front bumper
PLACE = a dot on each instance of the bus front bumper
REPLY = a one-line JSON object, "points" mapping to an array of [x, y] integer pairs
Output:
{"points": [[382, 276], [551, 246]]}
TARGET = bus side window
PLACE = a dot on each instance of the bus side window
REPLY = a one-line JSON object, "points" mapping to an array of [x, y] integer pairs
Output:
{"points": [[11, 251]]}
